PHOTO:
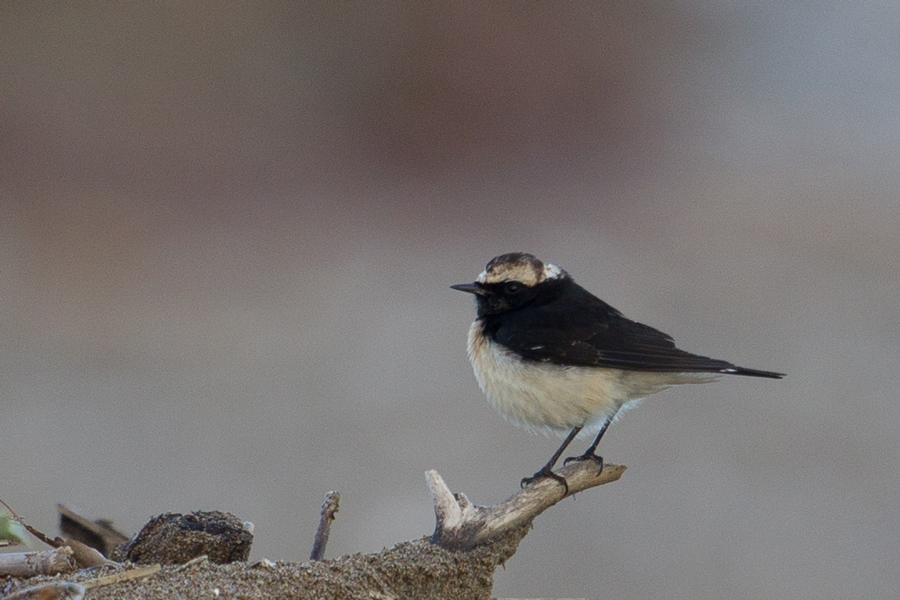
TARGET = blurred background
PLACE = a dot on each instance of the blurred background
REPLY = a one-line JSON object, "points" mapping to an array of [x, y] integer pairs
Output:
{"points": [[227, 232]]}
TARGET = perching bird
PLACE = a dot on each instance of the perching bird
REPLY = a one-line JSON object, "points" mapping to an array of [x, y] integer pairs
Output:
{"points": [[550, 355]]}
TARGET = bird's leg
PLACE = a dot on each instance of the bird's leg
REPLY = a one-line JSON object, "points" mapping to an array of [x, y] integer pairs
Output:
{"points": [[589, 454], [547, 470]]}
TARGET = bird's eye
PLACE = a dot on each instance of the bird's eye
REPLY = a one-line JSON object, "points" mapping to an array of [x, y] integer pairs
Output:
{"points": [[513, 287]]}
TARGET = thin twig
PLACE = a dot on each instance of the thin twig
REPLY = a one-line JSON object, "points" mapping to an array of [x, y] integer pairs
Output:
{"points": [[121, 576], [329, 510], [9, 508], [39, 535], [198, 560]]}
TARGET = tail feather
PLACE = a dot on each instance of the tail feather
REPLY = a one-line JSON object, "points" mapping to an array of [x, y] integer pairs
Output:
{"points": [[733, 370]]}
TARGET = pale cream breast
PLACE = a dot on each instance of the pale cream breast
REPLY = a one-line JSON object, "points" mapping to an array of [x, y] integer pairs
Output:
{"points": [[556, 398]]}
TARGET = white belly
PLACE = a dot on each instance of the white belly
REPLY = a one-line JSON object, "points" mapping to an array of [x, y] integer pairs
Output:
{"points": [[555, 398]]}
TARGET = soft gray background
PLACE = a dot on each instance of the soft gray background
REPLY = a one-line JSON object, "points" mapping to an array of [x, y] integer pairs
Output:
{"points": [[227, 231]]}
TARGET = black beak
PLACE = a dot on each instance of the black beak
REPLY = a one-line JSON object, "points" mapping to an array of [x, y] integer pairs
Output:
{"points": [[472, 288]]}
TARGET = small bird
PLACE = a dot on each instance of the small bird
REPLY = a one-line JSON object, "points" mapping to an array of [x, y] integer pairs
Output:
{"points": [[551, 356]]}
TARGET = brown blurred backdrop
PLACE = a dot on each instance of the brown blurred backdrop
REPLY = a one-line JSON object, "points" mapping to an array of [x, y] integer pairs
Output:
{"points": [[227, 231]]}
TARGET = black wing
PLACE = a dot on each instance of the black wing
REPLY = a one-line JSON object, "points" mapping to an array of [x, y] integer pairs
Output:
{"points": [[582, 330]]}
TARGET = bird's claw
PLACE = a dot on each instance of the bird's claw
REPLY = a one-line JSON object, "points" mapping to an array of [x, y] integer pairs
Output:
{"points": [[546, 473], [587, 456]]}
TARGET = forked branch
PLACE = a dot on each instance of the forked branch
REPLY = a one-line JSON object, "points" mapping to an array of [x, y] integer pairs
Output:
{"points": [[463, 525]]}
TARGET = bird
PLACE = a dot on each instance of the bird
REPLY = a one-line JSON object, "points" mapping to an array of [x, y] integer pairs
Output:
{"points": [[552, 357]]}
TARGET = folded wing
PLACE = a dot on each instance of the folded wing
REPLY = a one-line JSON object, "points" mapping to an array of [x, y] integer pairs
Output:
{"points": [[593, 333]]}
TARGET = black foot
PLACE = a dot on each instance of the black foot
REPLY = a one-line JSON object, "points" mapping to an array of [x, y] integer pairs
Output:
{"points": [[587, 456], [545, 472]]}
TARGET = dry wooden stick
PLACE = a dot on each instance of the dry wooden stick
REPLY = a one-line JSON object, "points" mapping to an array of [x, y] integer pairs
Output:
{"points": [[462, 525], [86, 556], [43, 562], [121, 576], [329, 511]]}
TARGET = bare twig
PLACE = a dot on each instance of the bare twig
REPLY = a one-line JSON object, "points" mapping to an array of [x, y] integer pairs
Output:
{"points": [[121, 576], [86, 556], [38, 534], [9, 508], [44, 562], [461, 524], [329, 511], [200, 560]]}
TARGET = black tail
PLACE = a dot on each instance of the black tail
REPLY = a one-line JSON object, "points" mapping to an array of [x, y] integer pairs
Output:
{"points": [[733, 370]]}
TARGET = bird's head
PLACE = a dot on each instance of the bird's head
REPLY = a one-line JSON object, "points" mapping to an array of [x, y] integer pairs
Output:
{"points": [[512, 281]]}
